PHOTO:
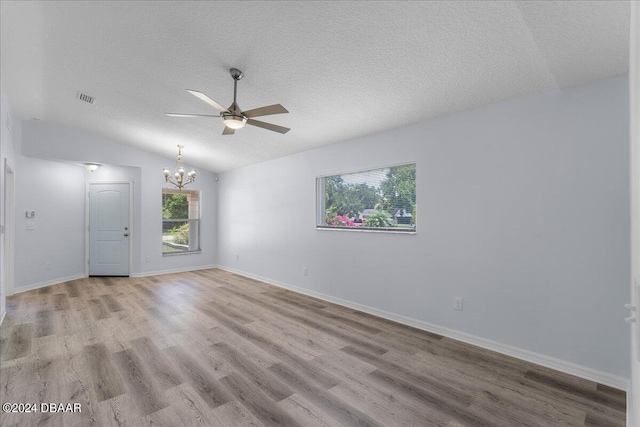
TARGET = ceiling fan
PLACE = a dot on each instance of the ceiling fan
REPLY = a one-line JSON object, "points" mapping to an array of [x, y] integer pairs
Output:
{"points": [[233, 117]]}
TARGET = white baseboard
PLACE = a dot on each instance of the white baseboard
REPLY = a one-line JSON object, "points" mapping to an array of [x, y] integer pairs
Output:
{"points": [[80, 276], [174, 270], [47, 283], [590, 374]]}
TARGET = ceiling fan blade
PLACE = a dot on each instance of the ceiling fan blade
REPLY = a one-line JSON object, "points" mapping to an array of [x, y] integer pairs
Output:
{"points": [[265, 111], [208, 100], [228, 131], [268, 126], [191, 115]]}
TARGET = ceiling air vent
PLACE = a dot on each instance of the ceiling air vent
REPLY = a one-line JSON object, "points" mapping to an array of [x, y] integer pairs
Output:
{"points": [[84, 97]]}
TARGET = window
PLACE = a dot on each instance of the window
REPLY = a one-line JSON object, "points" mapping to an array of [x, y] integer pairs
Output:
{"points": [[378, 199], [180, 221]]}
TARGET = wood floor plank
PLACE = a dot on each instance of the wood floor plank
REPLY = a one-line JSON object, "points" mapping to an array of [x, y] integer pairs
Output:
{"points": [[290, 299], [211, 348], [425, 396], [293, 342], [19, 343], [321, 325], [257, 402], [106, 379], [139, 382], [190, 407], [162, 371], [45, 323], [164, 320], [163, 417], [98, 309], [263, 379], [306, 413], [210, 389], [72, 289], [384, 406], [501, 391], [595, 419], [277, 350], [112, 303], [61, 302], [234, 414], [234, 314], [340, 410]]}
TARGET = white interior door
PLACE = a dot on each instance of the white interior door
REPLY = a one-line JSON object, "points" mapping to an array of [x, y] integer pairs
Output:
{"points": [[109, 229]]}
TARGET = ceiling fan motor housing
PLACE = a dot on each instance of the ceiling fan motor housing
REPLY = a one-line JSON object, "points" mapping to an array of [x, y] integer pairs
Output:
{"points": [[234, 117]]}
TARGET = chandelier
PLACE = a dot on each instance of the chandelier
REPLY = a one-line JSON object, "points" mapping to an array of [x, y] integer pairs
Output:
{"points": [[179, 172]]}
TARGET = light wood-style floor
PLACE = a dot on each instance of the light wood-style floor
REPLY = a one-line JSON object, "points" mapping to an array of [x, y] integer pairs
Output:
{"points": [[211, 348]]}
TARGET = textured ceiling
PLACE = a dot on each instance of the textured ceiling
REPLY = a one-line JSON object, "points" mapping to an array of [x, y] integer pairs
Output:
{"points": [[342, 69]]}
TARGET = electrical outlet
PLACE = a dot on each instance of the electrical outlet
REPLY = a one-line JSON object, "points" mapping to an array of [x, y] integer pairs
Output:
{"points": [[31, 226], [47, 266], [305, 271], [457, 304], [147, 259]]}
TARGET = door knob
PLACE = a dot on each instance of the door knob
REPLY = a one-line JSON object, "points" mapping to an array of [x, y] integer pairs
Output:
{"points": [[126, 234]]}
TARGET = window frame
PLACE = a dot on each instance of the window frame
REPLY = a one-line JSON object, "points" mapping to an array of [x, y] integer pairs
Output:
{"points": [[189, 220], [321, 207]]}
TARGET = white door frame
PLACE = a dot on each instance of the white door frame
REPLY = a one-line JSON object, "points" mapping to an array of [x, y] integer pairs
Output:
{"points": [[9, 227], [86, 222], [633, 394]]}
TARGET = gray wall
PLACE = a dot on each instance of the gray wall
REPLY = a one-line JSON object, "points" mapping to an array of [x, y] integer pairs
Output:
{"points": [[522, 211]]}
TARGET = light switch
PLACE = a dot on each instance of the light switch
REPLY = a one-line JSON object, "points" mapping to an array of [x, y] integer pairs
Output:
{"points": [[31, 214]]}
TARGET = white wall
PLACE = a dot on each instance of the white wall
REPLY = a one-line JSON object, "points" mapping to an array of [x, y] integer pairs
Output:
{"points": [[54, 191], [522, 211], [45, 143]]}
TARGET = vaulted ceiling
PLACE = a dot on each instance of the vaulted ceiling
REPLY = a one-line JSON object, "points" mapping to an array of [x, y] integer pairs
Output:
{"points": [[342, 69]]}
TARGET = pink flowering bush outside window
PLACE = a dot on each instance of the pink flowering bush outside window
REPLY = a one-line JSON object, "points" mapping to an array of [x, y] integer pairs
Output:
{"points": [[339, 220]]}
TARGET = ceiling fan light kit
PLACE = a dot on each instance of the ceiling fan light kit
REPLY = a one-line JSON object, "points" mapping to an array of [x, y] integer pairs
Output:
{"points": [[234, 121], [234, 118]]}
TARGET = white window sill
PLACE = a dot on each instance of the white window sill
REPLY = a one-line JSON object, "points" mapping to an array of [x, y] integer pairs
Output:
{"points": [[182, 253], [365, 230]]}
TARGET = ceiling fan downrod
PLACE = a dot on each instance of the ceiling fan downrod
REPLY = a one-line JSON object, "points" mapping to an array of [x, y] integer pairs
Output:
{"points": [[236, 75]]}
